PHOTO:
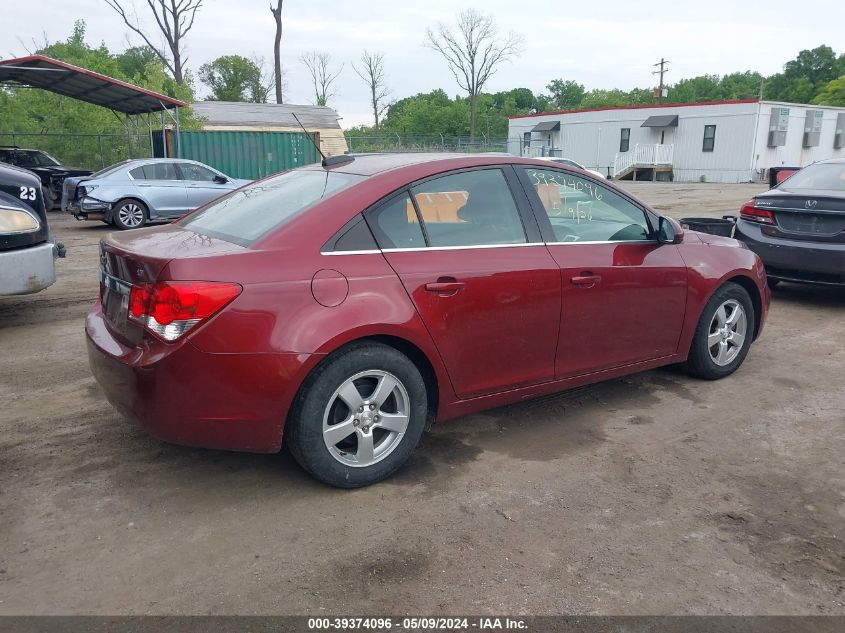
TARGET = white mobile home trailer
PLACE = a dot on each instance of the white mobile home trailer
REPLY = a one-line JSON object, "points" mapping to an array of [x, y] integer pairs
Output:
{"points": [[733, 141]]}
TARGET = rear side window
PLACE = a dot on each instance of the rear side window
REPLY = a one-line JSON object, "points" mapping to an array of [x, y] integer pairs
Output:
{"points": [[395, 224], [155, 171], [248, 214], [467, 208]]}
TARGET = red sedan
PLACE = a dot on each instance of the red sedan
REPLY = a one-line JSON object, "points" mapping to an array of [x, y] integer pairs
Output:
{"points": [[344, 306]]}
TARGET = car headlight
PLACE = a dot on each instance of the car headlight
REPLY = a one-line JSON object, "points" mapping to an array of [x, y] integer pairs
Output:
{"points": [[17, 221], [86, 189]]}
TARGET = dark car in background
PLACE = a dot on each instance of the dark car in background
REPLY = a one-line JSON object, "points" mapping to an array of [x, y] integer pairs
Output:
{"points": [[50, 171], [798, 227], [26, 250]]}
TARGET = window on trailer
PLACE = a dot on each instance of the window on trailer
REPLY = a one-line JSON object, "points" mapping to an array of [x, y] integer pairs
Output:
{"points": [[709, 138], [625, 139]]}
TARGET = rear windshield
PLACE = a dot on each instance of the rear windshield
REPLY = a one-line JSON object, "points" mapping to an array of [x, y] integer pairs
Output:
{"points": [[248, 214], [110, 169], [830, 176]]}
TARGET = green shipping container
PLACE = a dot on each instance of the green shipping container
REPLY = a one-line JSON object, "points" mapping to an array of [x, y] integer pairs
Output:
{"points": [[247, 154]]}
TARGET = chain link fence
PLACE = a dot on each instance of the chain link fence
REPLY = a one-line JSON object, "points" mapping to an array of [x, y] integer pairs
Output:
{"points": [[428, 143], [89, 151]]}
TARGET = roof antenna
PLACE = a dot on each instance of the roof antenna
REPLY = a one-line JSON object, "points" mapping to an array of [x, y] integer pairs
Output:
{"points": [[328, 161]]}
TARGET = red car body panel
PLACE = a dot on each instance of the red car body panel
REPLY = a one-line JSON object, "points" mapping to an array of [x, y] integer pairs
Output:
{"points": [[517, 328], [499, 330], [622, 303]]}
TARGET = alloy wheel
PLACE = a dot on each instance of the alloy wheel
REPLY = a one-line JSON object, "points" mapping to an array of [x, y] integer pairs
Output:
{"points": [[131, 214], [727, 332], [366, 418]]}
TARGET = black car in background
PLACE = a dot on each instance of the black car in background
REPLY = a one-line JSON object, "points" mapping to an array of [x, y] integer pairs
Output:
{"points": [[26, 250], [798, 227], [50, 171]]}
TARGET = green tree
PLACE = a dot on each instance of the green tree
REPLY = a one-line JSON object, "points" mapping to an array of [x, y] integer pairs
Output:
{"points": [[133, 61], [234, 78], [598, 98], [566, 94], [833, 93], [805, 76], [696, 89], [741, 85]]}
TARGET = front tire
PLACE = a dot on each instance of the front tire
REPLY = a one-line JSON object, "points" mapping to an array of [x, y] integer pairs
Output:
{"points": [[129, 214], [358, 416], [723, 335]]}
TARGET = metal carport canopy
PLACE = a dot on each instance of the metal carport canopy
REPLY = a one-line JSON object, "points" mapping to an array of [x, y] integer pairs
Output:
{"points": [[46, 73]]}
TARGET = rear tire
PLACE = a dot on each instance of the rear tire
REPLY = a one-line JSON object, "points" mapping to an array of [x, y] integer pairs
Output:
{"points": [[358, 416], [129, 214], [723, 334]]}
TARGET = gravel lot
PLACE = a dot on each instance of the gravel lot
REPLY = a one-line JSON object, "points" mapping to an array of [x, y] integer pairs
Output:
{"points": [[654, 494]]}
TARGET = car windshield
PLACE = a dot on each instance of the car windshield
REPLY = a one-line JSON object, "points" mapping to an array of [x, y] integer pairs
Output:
{"points": [[828, 176], [28, 158], [248, 214]]}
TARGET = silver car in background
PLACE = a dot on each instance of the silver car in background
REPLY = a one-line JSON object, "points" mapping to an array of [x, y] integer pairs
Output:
{"points": [[134, 192]]}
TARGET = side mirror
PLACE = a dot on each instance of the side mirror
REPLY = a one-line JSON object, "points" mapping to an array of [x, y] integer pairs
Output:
{"points": [[669, 231], [221, 180]]}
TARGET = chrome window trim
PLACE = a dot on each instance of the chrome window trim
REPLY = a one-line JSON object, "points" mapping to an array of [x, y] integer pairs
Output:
{"points": [[364, 252], [475, 247]]}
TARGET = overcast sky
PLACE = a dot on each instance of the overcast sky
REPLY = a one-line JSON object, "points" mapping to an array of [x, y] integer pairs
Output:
{"points": [[601, 44]]}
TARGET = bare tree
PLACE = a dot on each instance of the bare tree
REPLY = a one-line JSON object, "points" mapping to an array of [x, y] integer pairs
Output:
{"points": [[473, 53], [322, 75], [372, 72], [174, 18], [277, 48], [266, 80]]}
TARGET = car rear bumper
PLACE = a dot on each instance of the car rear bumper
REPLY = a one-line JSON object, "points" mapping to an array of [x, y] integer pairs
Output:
{"points": [[186, 396], [27, 270], [795, 260]]}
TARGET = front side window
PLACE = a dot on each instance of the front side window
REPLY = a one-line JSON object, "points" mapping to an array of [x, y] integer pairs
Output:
{"points": [[625, 139], [709, 138], [581, 210], [196, 173], [469, 208], [251, 212]]}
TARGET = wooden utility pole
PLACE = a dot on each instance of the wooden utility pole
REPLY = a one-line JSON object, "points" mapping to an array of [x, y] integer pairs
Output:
{"points": [[663, 70]]}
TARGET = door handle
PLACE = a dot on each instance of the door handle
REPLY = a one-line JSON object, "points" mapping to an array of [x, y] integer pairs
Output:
{"points": [[445, 286], [585, 281]]}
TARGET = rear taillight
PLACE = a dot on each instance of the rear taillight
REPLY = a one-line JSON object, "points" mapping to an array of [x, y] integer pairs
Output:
{"points": [[753, 214], [168, 309]]}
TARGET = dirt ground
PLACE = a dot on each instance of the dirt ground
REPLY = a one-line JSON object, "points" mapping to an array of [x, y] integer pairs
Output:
{"points": [[653, 494]]}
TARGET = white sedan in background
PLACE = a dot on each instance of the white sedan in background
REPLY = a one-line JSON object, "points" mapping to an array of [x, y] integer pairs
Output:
{"points": [[132, 193], [572, 163]]}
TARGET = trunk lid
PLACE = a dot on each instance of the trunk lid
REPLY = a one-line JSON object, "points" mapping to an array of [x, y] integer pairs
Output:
{"points": [[133, 258], [806, 215]]}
